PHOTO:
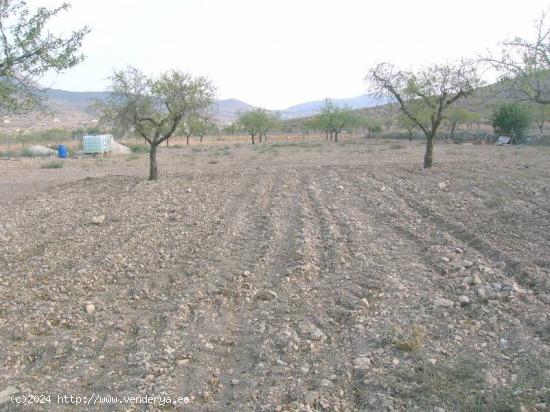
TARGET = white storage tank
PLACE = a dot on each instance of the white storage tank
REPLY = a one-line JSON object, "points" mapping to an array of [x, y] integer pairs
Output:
{"points": [[101, 143]]}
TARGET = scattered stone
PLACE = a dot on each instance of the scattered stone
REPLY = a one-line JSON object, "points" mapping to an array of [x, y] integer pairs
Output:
{"points": [[316, 334], [467, 264], [325, 382], [361, 362], [98, 220], [490, 380], [463, 300], [444, 259], [90, 308], [438, 409], [541, 406], [266, 295], [486, 269], [442, 185], [312, 331], [341, 187], [365, 303], [246, 273], [476, 280], [311, 397], [188, 190], [482, 293], [443, 302]]}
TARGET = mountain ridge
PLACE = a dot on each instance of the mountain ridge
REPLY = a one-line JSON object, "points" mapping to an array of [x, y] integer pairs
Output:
{"points": [[73, 109]]}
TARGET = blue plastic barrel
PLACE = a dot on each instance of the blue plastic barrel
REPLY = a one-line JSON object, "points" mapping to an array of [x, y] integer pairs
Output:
{"points": [[62, 151]]}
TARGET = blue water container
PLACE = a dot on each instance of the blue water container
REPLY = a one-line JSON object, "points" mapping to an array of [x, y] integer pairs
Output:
{"points": [[62, 151]]}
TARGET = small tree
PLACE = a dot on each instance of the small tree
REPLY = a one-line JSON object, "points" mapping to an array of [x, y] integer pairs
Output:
{"points": [[29, 50], [540, 114], [434, 89], [388, 122], [457, 116], [196, 124], [367, 126], [334, 119], [154, 107], [256, 123], [406, 123], [272, 122], [511, 118]]}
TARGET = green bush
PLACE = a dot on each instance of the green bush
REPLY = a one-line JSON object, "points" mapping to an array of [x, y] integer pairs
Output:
{"points": [[139, 148], [511, 118]]}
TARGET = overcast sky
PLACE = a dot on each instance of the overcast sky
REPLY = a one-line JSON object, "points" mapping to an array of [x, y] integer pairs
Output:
{"points": [[276, 53]]}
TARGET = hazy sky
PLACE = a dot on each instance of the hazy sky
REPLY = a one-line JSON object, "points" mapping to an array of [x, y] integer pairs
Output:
{"points": [[275, 53]]}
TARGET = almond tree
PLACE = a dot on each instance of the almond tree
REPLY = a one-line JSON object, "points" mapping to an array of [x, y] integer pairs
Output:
{"points": [[256, 123], [154, 107], [28, 50], [434, 89], [525, 64], [334, 119]]}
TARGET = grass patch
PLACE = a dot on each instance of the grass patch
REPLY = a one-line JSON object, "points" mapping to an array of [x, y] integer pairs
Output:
{"points": [[139, 148], [133, 156], [396, 146], [461, 384], [408, 338], [52, 165], [212, 162]]}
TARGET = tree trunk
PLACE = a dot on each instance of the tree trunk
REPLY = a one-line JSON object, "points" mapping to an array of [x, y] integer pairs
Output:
{"points": [[167, 144], [541, 126], [260, 137], [453, 127], [187, 140], [153, 168], [410, 135], [252, 136], [265, 138], [428, 157], [335, 136], [201, 138]]}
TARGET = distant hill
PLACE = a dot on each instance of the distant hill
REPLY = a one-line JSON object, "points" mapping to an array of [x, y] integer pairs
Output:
{"points": [[311, 108], [68, 109], [229, 109]]}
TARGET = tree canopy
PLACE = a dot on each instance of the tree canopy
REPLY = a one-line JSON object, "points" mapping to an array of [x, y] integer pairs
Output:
{"points": [[430, 91], [257, 122], [525, 64], [29, 49], [511, 118], [154, 107], [333, 119]]}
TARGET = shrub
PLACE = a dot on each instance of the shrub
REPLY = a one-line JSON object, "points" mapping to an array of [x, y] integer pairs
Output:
{"points": [[139, 148], [511, 118]]}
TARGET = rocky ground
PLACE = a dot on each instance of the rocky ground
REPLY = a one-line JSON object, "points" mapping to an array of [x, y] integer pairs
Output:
{"points": [[290, 278]]}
